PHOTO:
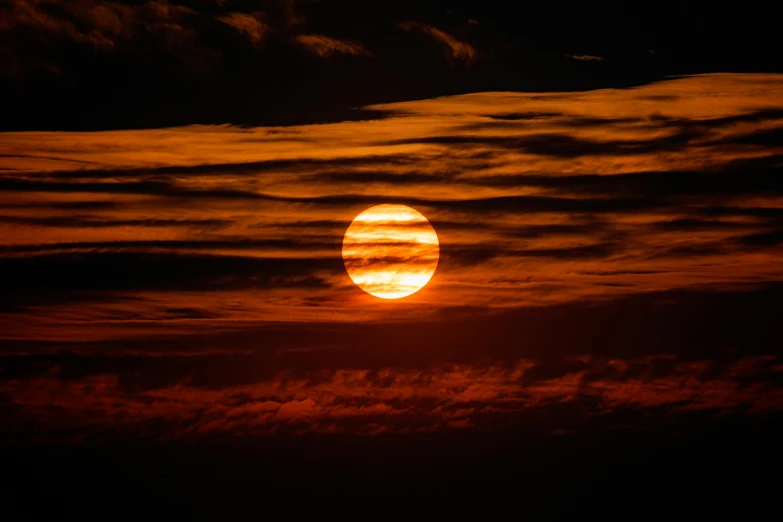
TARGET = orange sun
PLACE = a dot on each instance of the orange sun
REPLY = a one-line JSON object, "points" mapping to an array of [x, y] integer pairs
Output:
{"points": [[390, 251]]}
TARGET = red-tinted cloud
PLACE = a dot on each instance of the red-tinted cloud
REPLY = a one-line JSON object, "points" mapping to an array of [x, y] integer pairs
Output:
{"points": [[454, 48], [325, 46], [389, 400]]}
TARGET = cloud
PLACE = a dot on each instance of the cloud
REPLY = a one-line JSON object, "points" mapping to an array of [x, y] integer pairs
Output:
{"points": [[107, 30], [359, 401], [101, 25], [454, 49], [251, 26], [586, 57], [767, 239], [325, 46], [103, 22], [77, 222], [105, 269], [567, 146]]}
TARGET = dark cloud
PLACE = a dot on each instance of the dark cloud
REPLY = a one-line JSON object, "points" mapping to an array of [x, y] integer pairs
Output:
{"points": [[325, 46], [760, 212], [211, 61], [302, 243], [693, 325], [538, 231], [159, 188], [725, 180], [327, 224], [380, 262], [76, 221], [767, 239], [500, 204], [41, 277], [62, 205], [473, 255], [454, 48], [586, 57], [249, 168], [250, 25], [696, 225], [375, 176], [596, 251], [566, 146], [533, 204], [638, 188], [689, 250], [763, 138], [524, 116], [752, 116]]}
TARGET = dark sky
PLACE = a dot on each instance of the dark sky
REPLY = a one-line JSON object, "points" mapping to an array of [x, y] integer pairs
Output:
{"points": [[178, 333], [96, 65]]}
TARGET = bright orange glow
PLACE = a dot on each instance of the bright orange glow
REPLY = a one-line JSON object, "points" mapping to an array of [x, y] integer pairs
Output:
{"points": [[390, 251]]}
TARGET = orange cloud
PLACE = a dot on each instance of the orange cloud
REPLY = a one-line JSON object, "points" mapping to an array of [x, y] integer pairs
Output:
{"points": [[325, 46], [251, 26], [455, 49], [386, 400], [99, 24]]}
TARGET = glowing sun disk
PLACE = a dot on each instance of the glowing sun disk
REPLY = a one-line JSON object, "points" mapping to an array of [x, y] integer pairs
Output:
{"points": [[390, 251]]}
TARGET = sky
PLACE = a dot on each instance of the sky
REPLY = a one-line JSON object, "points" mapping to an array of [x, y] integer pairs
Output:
{"points": [[177, 324], [96, 64]]}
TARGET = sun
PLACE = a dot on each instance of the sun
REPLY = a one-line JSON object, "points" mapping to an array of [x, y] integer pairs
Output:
{"points": [[390, 251]]}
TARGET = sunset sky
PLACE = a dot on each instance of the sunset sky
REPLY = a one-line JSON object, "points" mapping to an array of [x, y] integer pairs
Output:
{"points": [[177, 323]]}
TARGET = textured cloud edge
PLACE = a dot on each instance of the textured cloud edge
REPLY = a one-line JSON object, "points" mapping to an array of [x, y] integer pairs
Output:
{"points": [[393, 400], [199, 35]]}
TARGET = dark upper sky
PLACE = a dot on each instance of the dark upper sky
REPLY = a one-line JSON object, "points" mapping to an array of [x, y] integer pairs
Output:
{"points": [[96, 65]]}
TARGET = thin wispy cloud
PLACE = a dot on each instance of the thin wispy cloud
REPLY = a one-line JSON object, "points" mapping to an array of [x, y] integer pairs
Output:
{"points": [[454, 48], [325, 46], [251, 26], [586, 57]]}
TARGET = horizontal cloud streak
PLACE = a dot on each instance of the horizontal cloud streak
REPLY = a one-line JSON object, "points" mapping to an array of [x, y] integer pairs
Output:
{"points": [[389, 400]]}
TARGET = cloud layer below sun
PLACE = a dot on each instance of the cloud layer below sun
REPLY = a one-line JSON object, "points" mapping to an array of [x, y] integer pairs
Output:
{"points": [[185, 242]]}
